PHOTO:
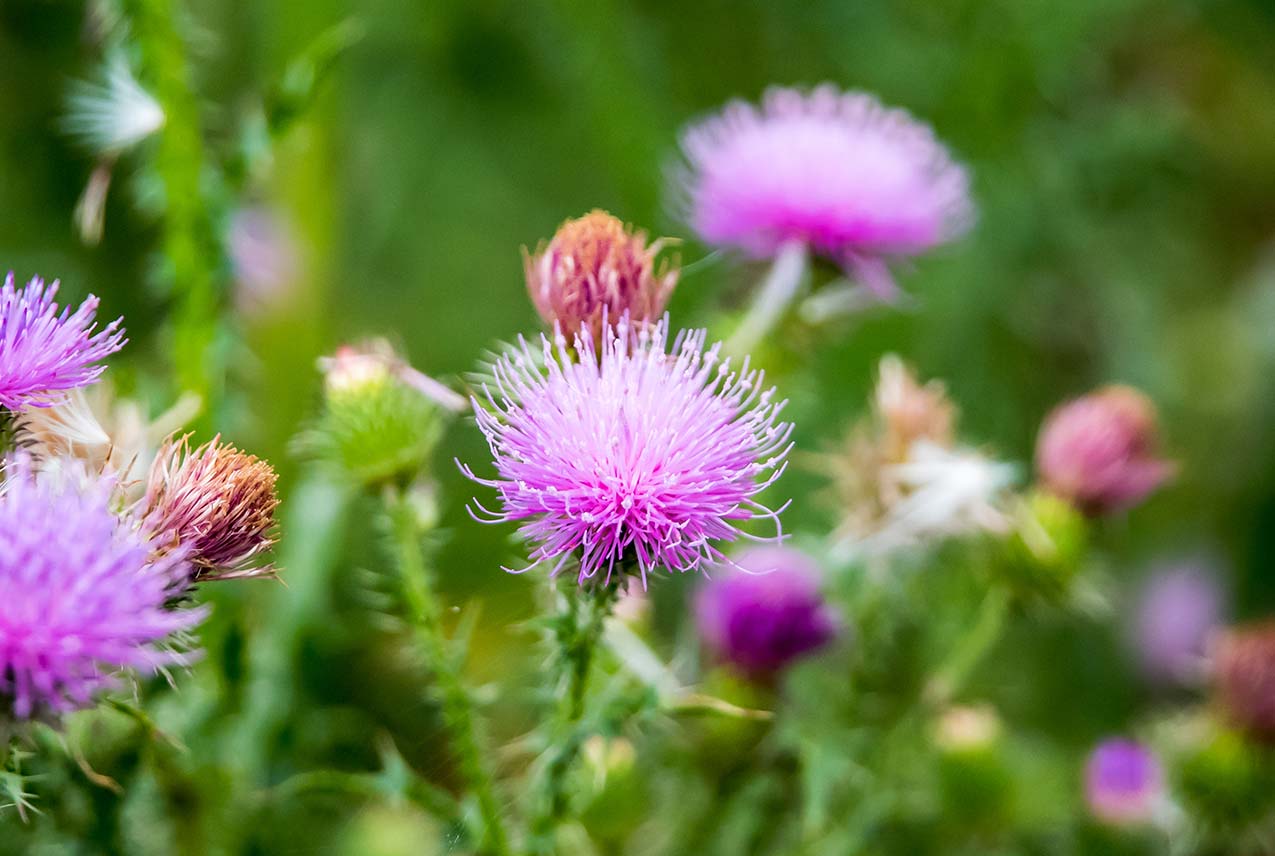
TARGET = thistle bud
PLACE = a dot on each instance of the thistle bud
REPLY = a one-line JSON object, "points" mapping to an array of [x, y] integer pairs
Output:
{"points": [[1100, 451], [595, 271], [1244, 673], [1123, 782], [215, 503]]}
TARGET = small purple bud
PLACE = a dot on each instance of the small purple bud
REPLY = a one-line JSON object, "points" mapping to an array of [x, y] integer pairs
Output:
{"points": [[1123, 781]]}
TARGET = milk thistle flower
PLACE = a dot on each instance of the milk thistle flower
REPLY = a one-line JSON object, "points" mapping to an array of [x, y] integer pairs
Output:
{"points": [[1244, 676], [835, 172], [215, 503], [634, 456], [596, 271], [1123, 782], [81, 596], [767, 613], [1100, 451], [44, 352]]}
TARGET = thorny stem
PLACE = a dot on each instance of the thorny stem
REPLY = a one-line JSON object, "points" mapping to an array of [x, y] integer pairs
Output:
{"points": [[190, 244], [579, 633], [458, 715]]}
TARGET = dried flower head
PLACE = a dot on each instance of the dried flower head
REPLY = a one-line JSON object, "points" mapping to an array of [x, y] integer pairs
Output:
{"points": [[81, 597], [596, 270], [1244, 674], [44, 352], [1101, 452], [636, 456], [855, 181], [767, 612], [1123, 782], [215, 503]]}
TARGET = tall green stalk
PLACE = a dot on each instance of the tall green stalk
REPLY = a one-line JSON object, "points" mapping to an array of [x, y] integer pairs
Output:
{"points": [[578, 634], [458, 713], [191, 248]]}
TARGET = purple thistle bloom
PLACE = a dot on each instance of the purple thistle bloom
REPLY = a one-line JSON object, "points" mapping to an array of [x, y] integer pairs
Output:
{"points": [[44, 352], [1123, 781], [1179, 609], [633, 456], [766, 613], [853, 180], [80, 596]]}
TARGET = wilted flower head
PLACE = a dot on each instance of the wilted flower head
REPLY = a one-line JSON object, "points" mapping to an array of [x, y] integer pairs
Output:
{"points": [[1123, 782], [597, 270], [113, 113], [1179, 609], [1100, 451], [44, 352], [80, 597], [634, 457], [855, 181], [1244, 673], [767, 612], [216, 504]]}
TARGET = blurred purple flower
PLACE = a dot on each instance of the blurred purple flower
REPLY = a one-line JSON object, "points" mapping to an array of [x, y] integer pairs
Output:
{"points": [[767, 613], [1100, 451], [636, 457], [264, 257], [1123, 782], [853, 180], [1179, 608], [81, 597], [44, 352]]}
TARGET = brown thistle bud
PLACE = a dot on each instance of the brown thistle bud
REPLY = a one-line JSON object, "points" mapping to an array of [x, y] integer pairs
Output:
{"points": [[1244, 677], [596, 267], [216, 503]]}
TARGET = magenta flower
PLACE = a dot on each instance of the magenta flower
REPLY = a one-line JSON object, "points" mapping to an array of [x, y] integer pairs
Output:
{"points": [[851, 179], [633, 457], [80, 597], [767, 612], [44, 352], [1123, 782], [1100, 451]]}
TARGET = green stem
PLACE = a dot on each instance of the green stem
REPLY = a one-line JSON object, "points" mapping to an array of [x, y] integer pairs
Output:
{"points": [[988, 626], [579, 633], [458, 714], [191, 247]]}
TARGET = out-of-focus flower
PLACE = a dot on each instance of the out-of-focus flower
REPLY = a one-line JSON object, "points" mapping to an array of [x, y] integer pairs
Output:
{"points": [[1178, 611], [965, 728], [214, 503], [596, 270], [264, 256], [901, 479], [81, 597], [354, 368], [767, 612], [836, 171], [1244, 674], [638, 457], [1100, 451], [112, 114], [45, 352], [1123, 782]]}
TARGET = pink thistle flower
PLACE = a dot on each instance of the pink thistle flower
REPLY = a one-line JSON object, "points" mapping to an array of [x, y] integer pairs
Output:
{"points": [[1123, 782], [44, 352], [1100, 451], [81, 598], [634, 456], [838, 172]]}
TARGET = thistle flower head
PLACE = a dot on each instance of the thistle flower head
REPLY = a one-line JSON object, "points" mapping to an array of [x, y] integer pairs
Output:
{"points": [[43, 351], [635, 457], [215, 503], [1244, 674], [1179, 609], [855, 181], [595, 271], [1123, 782], [1100, 451], [113, 113], [767, 612], [81, 597]]}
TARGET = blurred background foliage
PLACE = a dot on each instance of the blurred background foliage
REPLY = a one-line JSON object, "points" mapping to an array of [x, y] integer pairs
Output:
{"points": [[1123, 156]]}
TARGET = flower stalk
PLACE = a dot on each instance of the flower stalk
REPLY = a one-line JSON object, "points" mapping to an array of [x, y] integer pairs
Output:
{"points": [[458, 713]]}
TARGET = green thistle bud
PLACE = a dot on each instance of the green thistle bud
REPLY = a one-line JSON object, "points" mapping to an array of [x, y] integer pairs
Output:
{"points": [[1226, 784], [973, 776], [1048, 546]]}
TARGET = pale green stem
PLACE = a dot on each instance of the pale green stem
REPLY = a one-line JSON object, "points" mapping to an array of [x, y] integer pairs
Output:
{"points": [[988, 626], [786, 276]]}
